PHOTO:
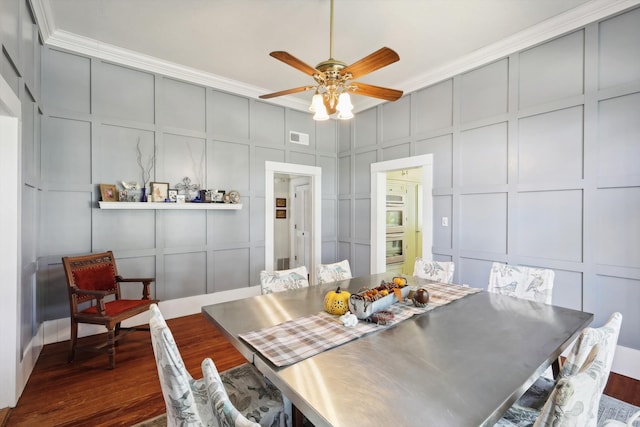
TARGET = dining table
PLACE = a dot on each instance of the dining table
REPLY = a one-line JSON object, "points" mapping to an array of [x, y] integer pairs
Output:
{"points": [[461, 360]]}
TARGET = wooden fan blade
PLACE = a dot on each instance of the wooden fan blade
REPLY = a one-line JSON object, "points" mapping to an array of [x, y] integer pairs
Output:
{"points": [[378, 59], [295, 62], [376, 91], [286, 92]]}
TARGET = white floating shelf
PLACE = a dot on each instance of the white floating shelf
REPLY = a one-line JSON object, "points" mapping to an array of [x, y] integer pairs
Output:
{"points": [[161, 206]]}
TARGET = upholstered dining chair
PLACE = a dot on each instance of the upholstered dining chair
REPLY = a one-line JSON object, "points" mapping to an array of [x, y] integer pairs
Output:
{"points": [[439, 271], [535, 284], [238, 397], [95, 298], [333, 272], [284, 280], [575, 398]]}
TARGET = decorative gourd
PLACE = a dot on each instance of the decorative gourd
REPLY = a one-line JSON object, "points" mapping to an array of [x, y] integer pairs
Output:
{"points": [[336, 302]]}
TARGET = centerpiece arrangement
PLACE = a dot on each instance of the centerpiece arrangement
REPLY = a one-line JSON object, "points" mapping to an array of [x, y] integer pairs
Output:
{"points": [[369, 301]]}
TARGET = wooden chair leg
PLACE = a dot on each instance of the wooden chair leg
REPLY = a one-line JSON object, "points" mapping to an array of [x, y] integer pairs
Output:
{"points": [[73, 341], [111, 348]]}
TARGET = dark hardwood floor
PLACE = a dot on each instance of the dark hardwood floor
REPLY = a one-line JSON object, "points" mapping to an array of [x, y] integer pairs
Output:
{"points": [[86, 393]]}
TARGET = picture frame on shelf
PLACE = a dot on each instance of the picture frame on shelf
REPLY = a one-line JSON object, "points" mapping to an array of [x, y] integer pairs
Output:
{"points": [[159, 191], [172, 194], [108, 193]]}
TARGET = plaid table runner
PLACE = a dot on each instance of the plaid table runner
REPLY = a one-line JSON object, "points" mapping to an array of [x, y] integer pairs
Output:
{"points": [[298, 339]]}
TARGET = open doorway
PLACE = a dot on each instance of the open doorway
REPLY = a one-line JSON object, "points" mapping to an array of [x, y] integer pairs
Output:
{"points": [[293, 230], [424, 164]]}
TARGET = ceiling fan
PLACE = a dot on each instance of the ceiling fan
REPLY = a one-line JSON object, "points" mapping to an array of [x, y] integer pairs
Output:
{"points": [[334, 80]]}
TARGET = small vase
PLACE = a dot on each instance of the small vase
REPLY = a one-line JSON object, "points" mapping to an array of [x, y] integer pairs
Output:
{"points": [[143, 194]]}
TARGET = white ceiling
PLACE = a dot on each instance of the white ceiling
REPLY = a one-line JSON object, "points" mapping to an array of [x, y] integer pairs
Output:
{"points": [[226, 43]]}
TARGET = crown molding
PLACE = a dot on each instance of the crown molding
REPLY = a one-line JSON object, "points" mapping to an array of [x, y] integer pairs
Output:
{"points": [[563, 23]]}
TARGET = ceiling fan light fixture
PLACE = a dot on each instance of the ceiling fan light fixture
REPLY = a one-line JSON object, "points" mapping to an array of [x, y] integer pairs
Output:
{"points": [[316, 103], [344, 107]]}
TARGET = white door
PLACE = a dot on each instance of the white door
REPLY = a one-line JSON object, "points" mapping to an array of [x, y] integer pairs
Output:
{"points": [[301, 223]]}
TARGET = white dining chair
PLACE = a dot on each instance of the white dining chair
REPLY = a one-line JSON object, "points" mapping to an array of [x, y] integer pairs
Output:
{"points": [[238, 397], [575, 397], [534, 284], [439, 271], [284, 280], [326, 273]]}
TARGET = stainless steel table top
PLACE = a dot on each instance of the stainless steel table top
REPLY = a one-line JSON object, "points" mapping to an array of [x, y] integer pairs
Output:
{"points": [[462, 364]]}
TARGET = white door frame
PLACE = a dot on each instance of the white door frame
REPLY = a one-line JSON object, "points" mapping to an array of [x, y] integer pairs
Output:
{"points": [[13, 372], [378, 197], [315, 174]]}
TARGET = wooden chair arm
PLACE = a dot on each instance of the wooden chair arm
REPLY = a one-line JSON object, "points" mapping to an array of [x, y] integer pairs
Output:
{"points": [[146, 281], [99, 295]]}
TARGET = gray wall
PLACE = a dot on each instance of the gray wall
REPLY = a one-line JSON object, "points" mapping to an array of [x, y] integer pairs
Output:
{"points": [[20, 68], [94, 114], [536, 162]]}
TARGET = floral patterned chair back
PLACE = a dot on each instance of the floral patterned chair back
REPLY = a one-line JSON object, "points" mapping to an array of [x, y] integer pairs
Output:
{"points": [[439, 271], [185, 398], [333, 272], [534, 284], [238, 397], [284, 280], [576, 397]]}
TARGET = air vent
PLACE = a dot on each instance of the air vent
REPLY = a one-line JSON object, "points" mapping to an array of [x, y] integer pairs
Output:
{"points": [[299, 137]]}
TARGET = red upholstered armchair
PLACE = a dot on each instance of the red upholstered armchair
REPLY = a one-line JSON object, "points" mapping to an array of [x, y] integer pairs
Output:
{"points": [[94, 297]]}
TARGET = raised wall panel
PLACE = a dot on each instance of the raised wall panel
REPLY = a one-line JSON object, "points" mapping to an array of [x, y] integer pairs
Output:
{"points": [[550, 146], [618, 60], [228, 115], [618, 227], [549, 225], [567, 289], [344, 219], [9, 30], [183, 229], [231, 226], [344, 251], [257, 215], [123, 230], [123, 93], [344, 175], [552, 71], [344, 135], [362, 226], [29, 44], [55, 291], [299, 158], [329, 254], [185, 275], [442, 207], [329, 218], [67, 81], [396, 119], [228, 166], [618, 135], [326, 136], [66, 227], [362, 178], [473, 272], [182, 156], [260, 156], [365, 124], [66, 151], [483, 222], [9, 73], [136, 267], [231, 269], [442, 149], [115, 156], [434, 107], [484, 91], [257, 265], [361, 260], [399, 151], [480, 148], [620, 294], [29, 143], [268, 124], [329, 174], [182, 105]]}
